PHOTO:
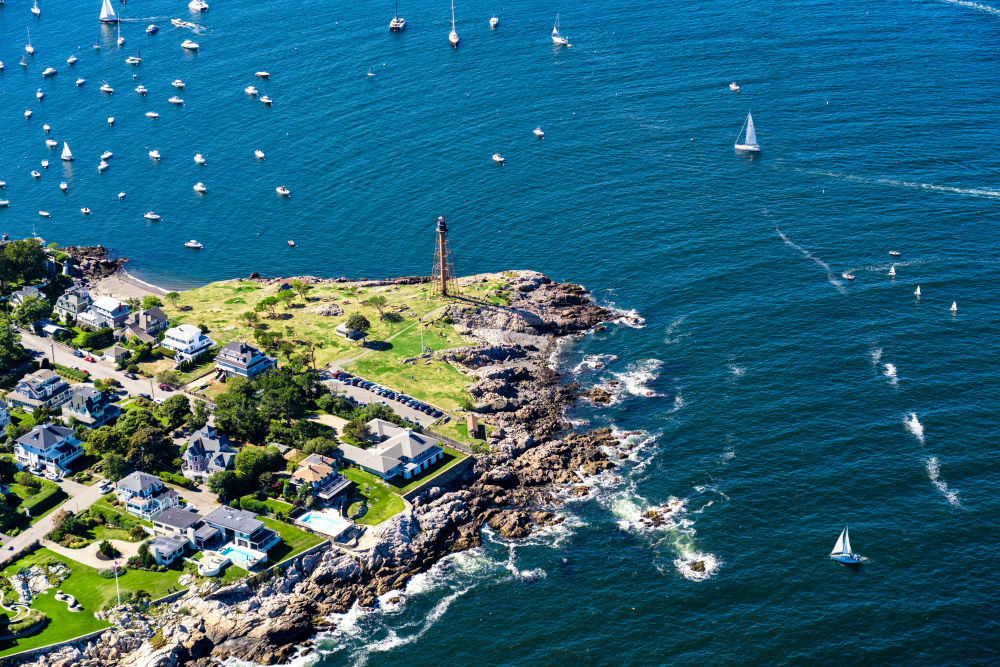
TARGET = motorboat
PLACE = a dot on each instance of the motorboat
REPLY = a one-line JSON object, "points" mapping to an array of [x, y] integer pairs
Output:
{"points": [[193, 244], [39, 94], [733, 86], [111, 120], [262, 75], [63, 186], [1, 66], [175, 100], [45, 164], [107, 155], [133, 60], [291, 243], [4, 203], [198, 6], [35, 173], [49, 71], [498, 158], [141, 89], [152, 114], [894, 253], [27, 113], [102, 167], [152, 29], [250, 90], [266, 100], [283, 191], [557, 37], [189, 45], [121, 196], [51, 143], [177, 23], [46, 128], [538, 132], [749, 144], [842, 552], [199, 158], [200, 188], [259, 154], [494, 22], [3, 184], [453, 35], [45, 214], [398, 23], [67, 154], [149, 215], [108, 13], [85, 210], [80, 81], [847, 276], [177, 83], [106, 88], [154, 154], [35, 10], [72, 60]]}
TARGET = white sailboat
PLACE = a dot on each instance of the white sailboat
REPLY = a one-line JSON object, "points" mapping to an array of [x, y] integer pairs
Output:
{"points": [[453, 35], [494, 22], [35, 10], [398, 23], [842, 550], [916, 292], [749, 144], [108, 13], [28, 48], [954, 307], [66, 154], [892, 271], [557, 37], [121, 40]]}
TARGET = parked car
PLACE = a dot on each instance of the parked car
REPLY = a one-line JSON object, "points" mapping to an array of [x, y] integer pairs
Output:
{"points": [[105, 488], [90, 359], [131, 376], [78, 353], [165, 387], [146, 396], [52, 476]]}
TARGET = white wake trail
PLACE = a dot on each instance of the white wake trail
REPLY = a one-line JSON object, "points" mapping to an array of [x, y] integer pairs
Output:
{"points": [[934, 474], [978, 6], [808, 255], [914, 426]]}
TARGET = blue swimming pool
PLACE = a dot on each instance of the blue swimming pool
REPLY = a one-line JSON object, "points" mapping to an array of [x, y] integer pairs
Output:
{"points": [[328, 523], [241, 557]]}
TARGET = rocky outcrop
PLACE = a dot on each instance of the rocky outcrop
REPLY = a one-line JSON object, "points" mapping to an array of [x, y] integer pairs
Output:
{"points": [[94, 262]]}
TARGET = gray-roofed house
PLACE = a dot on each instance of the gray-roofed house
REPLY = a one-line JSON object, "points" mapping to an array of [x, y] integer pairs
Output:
{"points": [[144, 325], [166, 550], [240, 358], [400, 452], [116, 353], [145, 496], [242, 528], [105, 312], [90, 407], [21, 295], [72, 302], [184, 524], [207, 453], [43, 388], [47, 447]]}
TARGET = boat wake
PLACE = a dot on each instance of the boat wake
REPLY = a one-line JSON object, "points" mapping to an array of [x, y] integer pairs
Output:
{"points": [[914, 426], [916, 185], [890, 372], [934, 474], [875, 354], [808, 255], [986, 9]]}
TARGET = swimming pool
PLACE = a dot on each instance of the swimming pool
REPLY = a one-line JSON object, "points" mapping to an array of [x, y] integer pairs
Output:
{"points": [[242, 556], [326, 522]]}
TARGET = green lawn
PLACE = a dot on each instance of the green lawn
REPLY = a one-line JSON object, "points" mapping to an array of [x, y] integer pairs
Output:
{"points": [[458, 431], [435, 382], [451, 457], [104, 502], [293, 540], [91, 590], [382, 503]]}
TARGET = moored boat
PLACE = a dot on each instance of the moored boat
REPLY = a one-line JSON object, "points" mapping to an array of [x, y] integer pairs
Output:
{"points": [[190, 45], [67, 155], [283, 191], [152, 114], [198, 6], [149, 215], [193, 244], [175, 100], [199, 158], [200, 188]]}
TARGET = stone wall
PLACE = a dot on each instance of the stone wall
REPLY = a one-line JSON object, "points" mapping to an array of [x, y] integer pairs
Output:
{"points": [[449, 475]]}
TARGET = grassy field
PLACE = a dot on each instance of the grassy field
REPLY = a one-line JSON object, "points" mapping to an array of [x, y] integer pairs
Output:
{"points": [[382, 503], [293, 540], [90, 589], [458, 431]]}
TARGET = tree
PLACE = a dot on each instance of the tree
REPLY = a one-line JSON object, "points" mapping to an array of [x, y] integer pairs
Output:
{"points": [[32, 309], [133, 303], [321, 446], [147, 446], [357, 429], [173, 298], [378, 303], [300, 287], [146, 559], [358, 323], [249, 463], [103, 441], [150, 301], [175, 410], [225, 484], [268, 303], [11, 352], [108, 550], [15, 430], [252, 318], [21, 262], [169, 377], [134, 420], [199, 416], [114, 467], [236, 412], [281, 396], [287, 296]]}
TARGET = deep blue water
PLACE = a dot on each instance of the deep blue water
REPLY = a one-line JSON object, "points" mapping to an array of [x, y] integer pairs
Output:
{"points": [[759, 385]]}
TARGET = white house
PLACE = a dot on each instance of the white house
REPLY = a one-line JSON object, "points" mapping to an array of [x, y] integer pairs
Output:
{"points": [[47, 447], [186, 340], [144, 496], [243, 529], [400, 452], [104, 312], [4, 415], [184, 524], [43, 388]]}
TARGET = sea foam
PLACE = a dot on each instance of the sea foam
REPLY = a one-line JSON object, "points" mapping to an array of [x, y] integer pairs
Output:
{"points": [[914, 426], [934, 474], [890, 372]]}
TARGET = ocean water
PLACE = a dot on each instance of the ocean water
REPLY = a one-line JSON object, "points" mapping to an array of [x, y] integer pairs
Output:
{"points": [[767, 400]]}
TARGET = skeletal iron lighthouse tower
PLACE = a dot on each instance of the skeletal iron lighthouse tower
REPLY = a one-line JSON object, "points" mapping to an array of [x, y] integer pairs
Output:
{"points": [[444, 270]]}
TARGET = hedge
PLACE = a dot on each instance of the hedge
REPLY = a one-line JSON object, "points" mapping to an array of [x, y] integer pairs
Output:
{"points": [[48, 497], [179, 480], [251, 504], [169, 354], [71, 373]]}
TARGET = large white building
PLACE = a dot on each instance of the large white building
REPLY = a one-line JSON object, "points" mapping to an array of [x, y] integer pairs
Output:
{"points": [[47, 448], [400, 452], [104, 312], [186, 340]]}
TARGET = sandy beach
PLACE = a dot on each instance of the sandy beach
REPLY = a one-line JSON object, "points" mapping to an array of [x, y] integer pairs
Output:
{"points": [[123, 285]]}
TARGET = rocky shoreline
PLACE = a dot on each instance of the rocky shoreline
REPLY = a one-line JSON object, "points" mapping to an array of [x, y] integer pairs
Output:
{"points": [[532, 455]]}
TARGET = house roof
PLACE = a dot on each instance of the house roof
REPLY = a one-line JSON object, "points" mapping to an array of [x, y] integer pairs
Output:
{"points": [[107, 303], [139, 481], [205, 531], [208, 442], [312, 472], [40, 377], [166, 545], [230, 518], [400, 443], [185, 332], [44, 436], [176, 517]]}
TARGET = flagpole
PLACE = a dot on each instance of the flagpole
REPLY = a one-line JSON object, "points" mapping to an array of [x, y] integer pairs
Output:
{"points": [[117, 590]]}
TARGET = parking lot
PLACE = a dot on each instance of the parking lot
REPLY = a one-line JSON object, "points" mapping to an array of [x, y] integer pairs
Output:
{"points": [[365, 392]]}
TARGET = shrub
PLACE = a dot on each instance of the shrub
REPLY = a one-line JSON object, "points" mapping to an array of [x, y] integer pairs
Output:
{"points": [[137, 532], [46, 498], [109, 550], [110, 574], [179, 480], [251, 504]]}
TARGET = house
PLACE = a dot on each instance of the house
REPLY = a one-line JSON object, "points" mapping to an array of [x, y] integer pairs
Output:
{"points": [[144, 325], [399, 452], [116, 353], [207, 453], [4, 415], [239, 358], [104, 312], [165, 550], [47, 447], [187, 341], [319, 473], [144, 496], [90, 407], [72, 302], [184, 524], [22, 295], [43, 388], [242, 528]]}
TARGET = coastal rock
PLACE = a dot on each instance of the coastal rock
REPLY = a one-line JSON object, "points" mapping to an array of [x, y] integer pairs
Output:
{"points": [[599, 395], [93, 262], [328, 310]]}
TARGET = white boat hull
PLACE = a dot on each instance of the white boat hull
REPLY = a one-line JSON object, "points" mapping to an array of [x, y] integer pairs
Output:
{"points": [[748, 148]]}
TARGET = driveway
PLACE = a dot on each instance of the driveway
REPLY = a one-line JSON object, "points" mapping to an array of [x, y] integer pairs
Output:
{"points": [[88, 554]]}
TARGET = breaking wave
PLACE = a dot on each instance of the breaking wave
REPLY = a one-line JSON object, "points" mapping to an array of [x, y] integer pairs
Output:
{"points": [[670, 337], [934, 474], [890, 372], [737, 371], [914, 426], [875, 354], [636, 377], [594, 362], [808, 255]]}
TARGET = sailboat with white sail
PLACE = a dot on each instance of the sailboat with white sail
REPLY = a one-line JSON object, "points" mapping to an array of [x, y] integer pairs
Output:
{"points": [[749, 144], [453, 35], [557, 37], [66, 154], [108, 13], [842, 550]]}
